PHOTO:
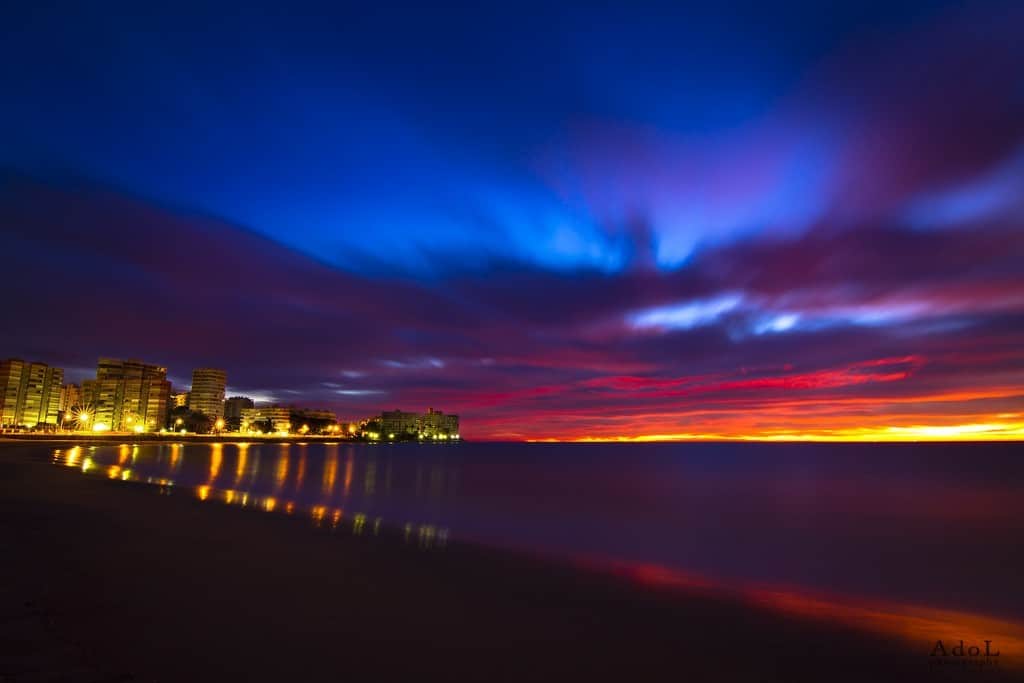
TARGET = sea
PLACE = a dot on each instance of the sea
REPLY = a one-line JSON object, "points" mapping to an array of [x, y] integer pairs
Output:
{"points": [[935, 525]]}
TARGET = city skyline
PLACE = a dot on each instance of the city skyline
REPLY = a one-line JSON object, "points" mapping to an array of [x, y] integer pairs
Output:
{"points": [[125, 396], [727, 222]]}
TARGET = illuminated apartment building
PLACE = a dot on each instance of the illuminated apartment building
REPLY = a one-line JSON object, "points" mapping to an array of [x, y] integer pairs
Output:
{"points": [[29, 393], [207, 395], [279, 417], [434, 422], [127, 395], [398, 422]]}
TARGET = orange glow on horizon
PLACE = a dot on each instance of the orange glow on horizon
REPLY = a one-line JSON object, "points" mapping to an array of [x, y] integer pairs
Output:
{"points": [[996, 430]]}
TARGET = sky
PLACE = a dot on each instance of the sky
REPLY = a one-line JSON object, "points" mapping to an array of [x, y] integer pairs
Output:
{"points": [[561, 221]]}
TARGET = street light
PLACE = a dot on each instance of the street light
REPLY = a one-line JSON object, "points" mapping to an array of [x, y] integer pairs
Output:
{"points": [[219, 424]]}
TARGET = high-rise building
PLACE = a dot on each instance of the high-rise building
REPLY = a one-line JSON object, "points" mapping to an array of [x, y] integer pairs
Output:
{"points": [[207, 395], [179, 399], [29, 393], [70, 397], [127, 395], [233, 407]]}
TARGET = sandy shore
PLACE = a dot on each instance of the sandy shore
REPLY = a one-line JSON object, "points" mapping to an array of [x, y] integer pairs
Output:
{"points": [[106, 581]]}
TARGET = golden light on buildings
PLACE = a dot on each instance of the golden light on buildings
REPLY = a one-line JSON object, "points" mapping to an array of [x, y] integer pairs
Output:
{"points": [[219, 424], [101, 427]]}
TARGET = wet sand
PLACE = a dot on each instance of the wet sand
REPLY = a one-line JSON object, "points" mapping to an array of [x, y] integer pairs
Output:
{"points": [[103, 581]]}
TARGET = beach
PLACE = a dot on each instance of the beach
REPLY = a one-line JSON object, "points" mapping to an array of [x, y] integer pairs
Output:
{"points": [[109, 580]]}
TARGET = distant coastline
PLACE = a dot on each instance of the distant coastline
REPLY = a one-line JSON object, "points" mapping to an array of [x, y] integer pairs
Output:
{"points": [[227, 437]]}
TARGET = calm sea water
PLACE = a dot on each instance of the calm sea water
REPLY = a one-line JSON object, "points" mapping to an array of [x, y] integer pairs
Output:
{"points": [[935, 525]]}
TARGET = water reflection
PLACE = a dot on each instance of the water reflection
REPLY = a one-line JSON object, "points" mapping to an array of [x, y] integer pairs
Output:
{"points": [[286, 488]]}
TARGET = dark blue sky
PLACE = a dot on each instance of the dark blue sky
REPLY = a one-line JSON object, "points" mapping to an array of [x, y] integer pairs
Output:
{"points": [[508, 163], [472, 130]]}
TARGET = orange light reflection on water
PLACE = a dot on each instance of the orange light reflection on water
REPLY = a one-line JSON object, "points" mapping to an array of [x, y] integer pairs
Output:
{"points": [[914, 624], [216, 458], [243, 456], [330, 471]]}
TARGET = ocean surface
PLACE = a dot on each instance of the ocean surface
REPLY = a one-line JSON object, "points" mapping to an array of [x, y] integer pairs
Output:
{"points": [[933, 525]]}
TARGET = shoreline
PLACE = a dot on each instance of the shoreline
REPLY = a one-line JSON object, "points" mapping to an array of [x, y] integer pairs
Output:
{"points": [[119, 579]]}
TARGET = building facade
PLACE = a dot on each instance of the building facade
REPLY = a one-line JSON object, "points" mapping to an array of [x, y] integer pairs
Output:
{"points": [[395, 424], [280, 418], [179, 399], [398, 422], [70, 397], [436, 423], [207, 395], [29, 394], [127, 395], [234, 406]]}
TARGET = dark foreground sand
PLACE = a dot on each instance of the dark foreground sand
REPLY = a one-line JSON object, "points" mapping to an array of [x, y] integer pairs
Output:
{"points": [[105, 581]]}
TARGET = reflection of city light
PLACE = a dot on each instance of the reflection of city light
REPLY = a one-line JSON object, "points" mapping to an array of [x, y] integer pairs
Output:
{"points": [[282, 470], [216, 456], [330, 472], [427, 536], [243, 456], [300, 472]]}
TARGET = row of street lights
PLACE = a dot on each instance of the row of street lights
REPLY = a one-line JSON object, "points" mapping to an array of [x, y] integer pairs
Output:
{"points": [[84, 418]]}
